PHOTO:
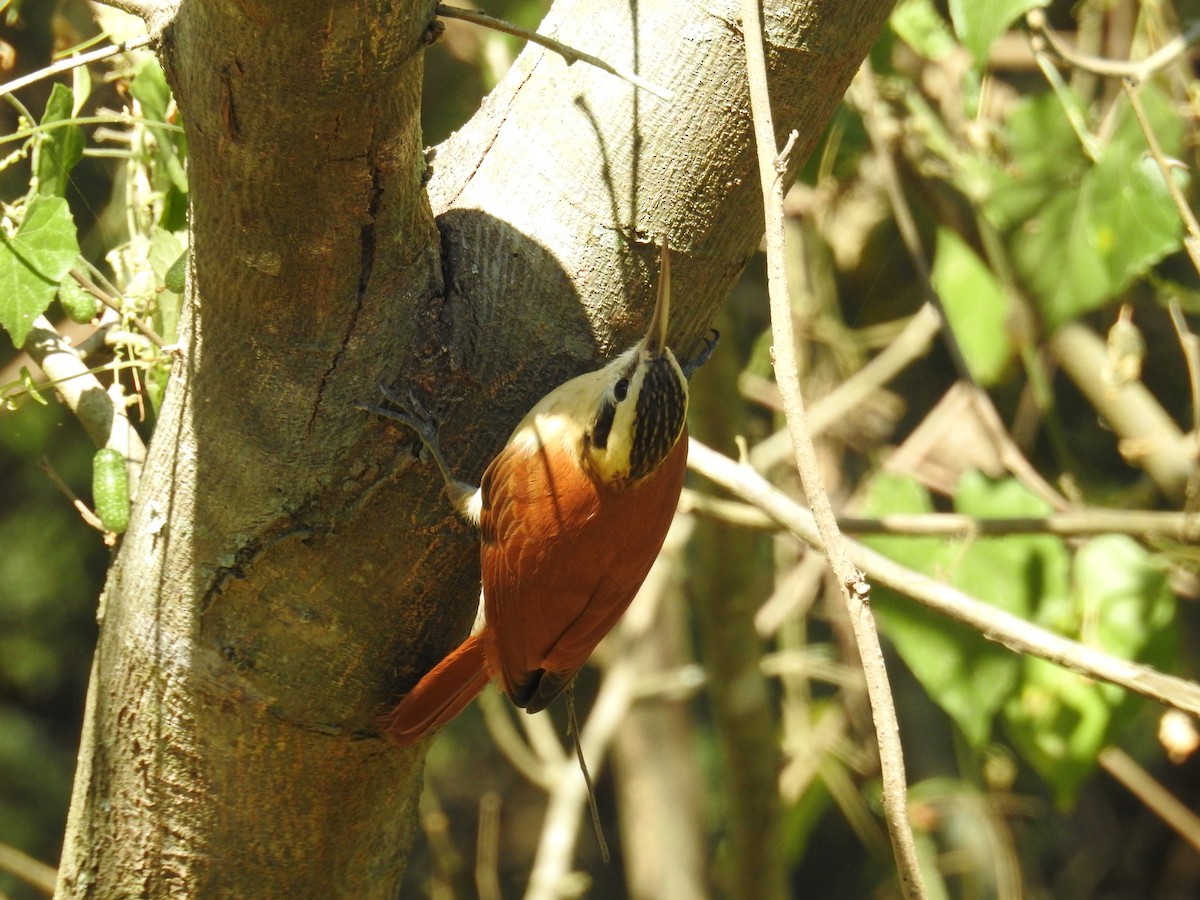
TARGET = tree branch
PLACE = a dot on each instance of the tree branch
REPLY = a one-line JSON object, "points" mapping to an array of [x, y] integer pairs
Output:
{"points": [[1176, 814], [1149, 437], [1138, 523], [74, 62], [143, 9], [994, 624], [103, 418], [1138, 70], [853, 587]]}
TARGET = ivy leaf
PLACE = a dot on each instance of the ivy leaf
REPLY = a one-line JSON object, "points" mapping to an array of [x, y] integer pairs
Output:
{"points": [[1121, 603], [149, 87], [971, 678], [976, 305], [1080, 232], [1044, 159], [33, 262], [59, 147], [1087, 244], [918, 24], [1123, 594], [1059, 721], [979, 22], [967, 676]]}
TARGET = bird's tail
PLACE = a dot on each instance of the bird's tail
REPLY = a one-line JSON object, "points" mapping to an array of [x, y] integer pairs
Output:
{"points": [[438, 697]]}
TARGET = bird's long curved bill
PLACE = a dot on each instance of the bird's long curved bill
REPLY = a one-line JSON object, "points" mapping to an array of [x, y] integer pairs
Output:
{"points": [[656, 334]]}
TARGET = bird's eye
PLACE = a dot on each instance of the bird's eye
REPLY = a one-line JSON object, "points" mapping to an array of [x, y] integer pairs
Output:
{"points": [[621, 389]]}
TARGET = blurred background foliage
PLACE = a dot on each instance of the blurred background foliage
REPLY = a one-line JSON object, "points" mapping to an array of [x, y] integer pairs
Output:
{"points": [[1054, 242]]}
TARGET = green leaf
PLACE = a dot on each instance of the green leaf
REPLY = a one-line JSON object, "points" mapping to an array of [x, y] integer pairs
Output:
{"points": [[976, 305], [1121, 603], [81, 87], [59, 147], [919, 25], [1019, 573], [977, 495], [968, 676], [1045, 158], [1135, 223], [168, 259], [1123, 594], [33, 262], [1086, 245], [971, 678], [1059, 721], [1079, 233], [980, 22], [149, 87]]}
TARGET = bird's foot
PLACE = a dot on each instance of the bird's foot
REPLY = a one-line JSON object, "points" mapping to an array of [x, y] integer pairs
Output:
{"points": [[407, 409], [690, 366]]}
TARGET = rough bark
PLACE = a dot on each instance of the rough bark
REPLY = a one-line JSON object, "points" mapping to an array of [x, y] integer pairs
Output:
{"points": [[290, 566]]}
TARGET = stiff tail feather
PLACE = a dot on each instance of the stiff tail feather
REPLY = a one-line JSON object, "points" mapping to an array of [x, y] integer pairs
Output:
{"points": [[438, 697]]}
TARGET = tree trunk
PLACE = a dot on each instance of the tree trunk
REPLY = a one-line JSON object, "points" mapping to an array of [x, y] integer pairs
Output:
{"points": [[290, 565]]}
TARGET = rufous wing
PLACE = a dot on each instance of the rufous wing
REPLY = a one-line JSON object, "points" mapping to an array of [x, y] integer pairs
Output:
{"points": [[562, 557]]}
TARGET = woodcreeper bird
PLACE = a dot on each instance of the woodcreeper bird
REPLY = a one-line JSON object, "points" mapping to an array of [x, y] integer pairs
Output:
{"points": [[571, 513]]}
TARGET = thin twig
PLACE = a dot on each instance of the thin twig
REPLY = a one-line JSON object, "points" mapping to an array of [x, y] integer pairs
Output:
{"points": [[1138, 523], [854, 588], [561, 827], [573, 729], [1077, 523], [994, 624], [80, 507], [487, 852], [793, 596], [86, 283], [544, 742], [498, 720], [913, 343], [1192, 242], [1138, 70], [74, 62], [1148, 437], [570, 54], [1190, 344], [32, 871], [1117, 763]]}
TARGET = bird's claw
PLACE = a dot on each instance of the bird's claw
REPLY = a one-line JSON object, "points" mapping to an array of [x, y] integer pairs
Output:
{"points": [[408, 411], [690, 366]]}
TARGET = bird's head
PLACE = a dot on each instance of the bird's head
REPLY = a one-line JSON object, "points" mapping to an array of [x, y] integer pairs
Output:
{"points": [[641, 403]]}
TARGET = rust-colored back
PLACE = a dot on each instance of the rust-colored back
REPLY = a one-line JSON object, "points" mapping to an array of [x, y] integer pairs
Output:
{"points": [[563, 554]]}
